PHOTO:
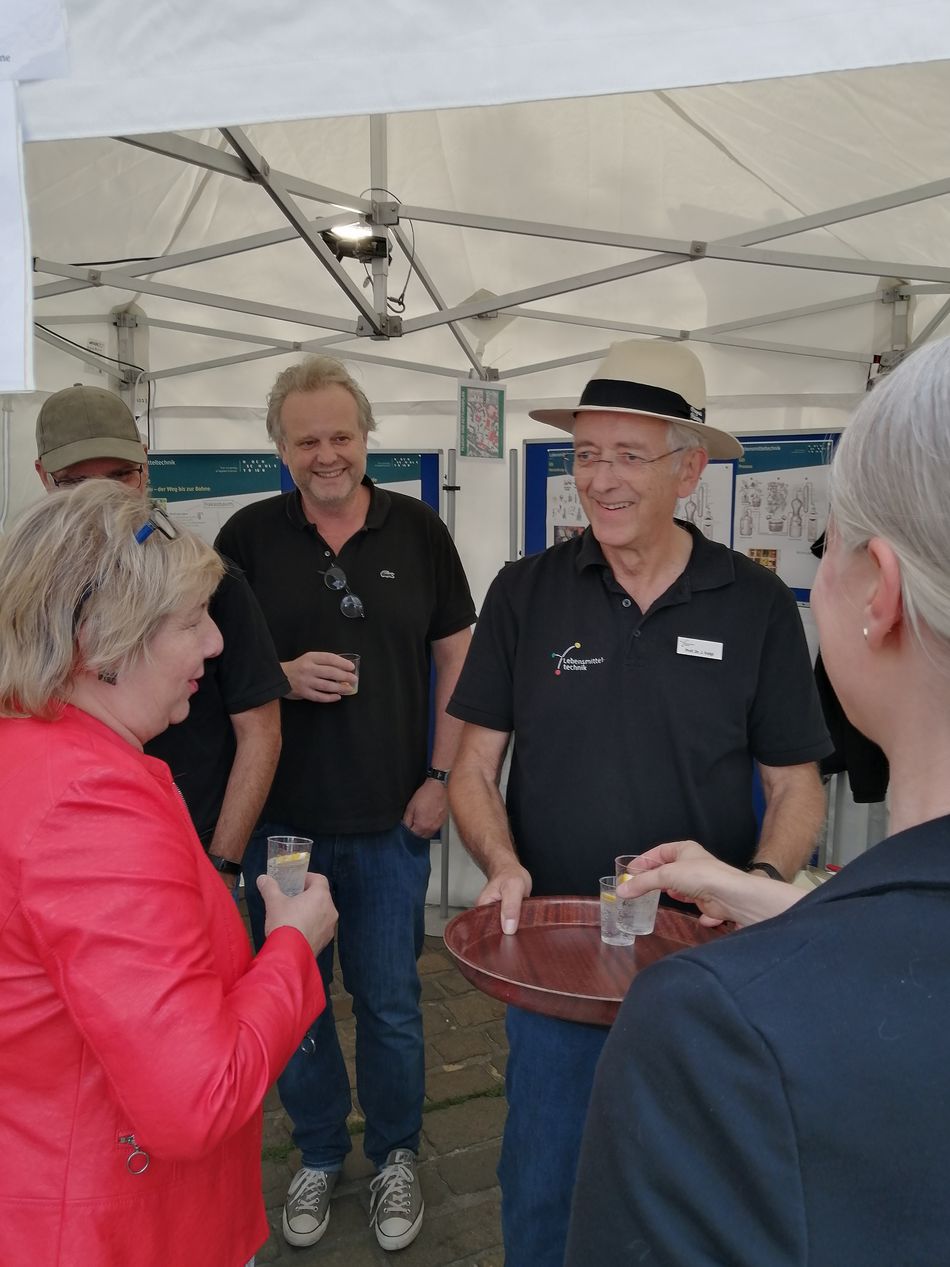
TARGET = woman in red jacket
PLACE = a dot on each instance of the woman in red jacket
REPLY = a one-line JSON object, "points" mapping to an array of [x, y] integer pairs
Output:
{"points": [[137, 1034]]}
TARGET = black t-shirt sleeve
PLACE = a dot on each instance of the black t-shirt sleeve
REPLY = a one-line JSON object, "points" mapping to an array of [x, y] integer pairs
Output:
{"points": [[248, 671], [484, 694], [454, 608], [786, 725]]}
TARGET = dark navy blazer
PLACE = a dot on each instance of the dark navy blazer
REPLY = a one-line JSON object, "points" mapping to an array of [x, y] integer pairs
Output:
{"points": [[783, 1096]]}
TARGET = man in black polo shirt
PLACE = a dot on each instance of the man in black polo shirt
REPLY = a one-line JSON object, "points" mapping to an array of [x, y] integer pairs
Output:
{"points": [[223, 755], [642, 669], [342, 567]]}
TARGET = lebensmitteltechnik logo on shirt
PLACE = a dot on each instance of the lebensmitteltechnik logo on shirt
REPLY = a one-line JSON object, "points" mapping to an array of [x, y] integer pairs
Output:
{"points": [[567, 662]]}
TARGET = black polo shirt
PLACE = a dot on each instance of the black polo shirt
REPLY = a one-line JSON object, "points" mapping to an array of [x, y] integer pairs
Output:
{"points": [[351, 766], [633, 729], [200, 750]]}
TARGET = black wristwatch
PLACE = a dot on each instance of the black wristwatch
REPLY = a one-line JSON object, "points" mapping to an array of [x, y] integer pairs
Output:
{"points": [[224, 864], [440, 776], [768, 869]]}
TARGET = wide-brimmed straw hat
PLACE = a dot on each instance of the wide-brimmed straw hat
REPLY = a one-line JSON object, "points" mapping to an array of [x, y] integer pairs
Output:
{"points": [[656, 380]]}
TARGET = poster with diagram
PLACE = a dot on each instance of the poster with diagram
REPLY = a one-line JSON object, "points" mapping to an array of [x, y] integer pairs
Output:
{"points": [[709, 506], [781, 503], [565, 516]]}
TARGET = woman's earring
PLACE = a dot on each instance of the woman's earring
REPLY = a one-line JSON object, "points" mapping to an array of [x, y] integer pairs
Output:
{"points": [[865, 632], [110, 675]]}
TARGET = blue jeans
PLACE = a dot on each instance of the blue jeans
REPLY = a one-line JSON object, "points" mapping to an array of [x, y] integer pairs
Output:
{"points": [[548, 1081], [378, 882]]}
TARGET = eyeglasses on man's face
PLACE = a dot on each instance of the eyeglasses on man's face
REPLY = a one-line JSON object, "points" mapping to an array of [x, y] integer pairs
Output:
{"points": [[588, 460], [130, 476], [334, 578]]}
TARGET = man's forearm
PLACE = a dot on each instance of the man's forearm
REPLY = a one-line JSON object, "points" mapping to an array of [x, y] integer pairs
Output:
{"points": [[481, 819], [258, 747], [795, 811]]}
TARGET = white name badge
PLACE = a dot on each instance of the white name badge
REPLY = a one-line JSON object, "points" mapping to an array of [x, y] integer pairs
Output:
{"points": [[699, 647]]}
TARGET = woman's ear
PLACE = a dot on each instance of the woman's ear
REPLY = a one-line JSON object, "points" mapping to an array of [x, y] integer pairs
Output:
{"points": [[884, 613]]}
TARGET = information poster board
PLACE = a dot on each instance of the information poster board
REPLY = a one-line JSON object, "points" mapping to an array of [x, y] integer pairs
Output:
{"points": [[780, 507], [202, 490], [553, 512], [772, 505]]}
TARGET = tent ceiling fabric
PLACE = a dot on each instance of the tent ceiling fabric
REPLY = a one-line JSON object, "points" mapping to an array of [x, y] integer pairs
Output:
{"points": [[154, 65], [696, 164]]}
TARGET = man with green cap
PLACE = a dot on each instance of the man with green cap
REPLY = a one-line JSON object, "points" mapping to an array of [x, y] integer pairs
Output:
{"points": [[223, 756]]}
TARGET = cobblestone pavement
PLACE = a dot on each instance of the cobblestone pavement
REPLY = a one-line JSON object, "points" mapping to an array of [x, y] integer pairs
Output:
{"points": [[461, 1135]]}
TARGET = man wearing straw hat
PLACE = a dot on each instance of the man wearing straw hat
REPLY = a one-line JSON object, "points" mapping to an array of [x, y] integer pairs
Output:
{"points": [[643, 670]]}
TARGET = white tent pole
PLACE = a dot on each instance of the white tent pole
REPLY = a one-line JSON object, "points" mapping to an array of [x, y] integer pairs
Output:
{"points": [[122, 281], [275, 188], [562, 287], [379, 180], [172, 145], [433, 292], [162, 263]]}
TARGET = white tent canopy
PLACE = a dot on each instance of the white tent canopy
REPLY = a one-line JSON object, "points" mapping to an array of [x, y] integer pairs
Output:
{"points": [[793, 228]]}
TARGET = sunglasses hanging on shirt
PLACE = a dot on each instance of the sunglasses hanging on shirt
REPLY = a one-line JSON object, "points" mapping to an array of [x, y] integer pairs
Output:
{"points": [[334, 578]]}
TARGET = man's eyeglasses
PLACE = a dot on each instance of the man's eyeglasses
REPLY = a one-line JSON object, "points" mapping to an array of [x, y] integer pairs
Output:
{"points": [[586, 460], [131, 476], [334, 578], [157, 521]]}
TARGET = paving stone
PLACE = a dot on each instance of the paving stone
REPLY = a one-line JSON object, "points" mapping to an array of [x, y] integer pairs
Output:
{"points": [[461, 1125], [357, 1165], [276, 1131], [460, 1044], [431, 988], [453, 983], [434, 961], [342, 1006], [435, 1019], [473, 1170], [474, 1009], [469, 1080], [455, 1233], [496, 1032]]}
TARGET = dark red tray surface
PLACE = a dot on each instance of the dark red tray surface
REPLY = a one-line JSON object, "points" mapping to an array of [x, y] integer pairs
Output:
{"points": [[556, 962]]}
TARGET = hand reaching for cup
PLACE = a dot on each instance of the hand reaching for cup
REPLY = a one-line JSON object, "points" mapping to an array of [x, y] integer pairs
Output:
{"points": [[688, 873], [312, 911]]}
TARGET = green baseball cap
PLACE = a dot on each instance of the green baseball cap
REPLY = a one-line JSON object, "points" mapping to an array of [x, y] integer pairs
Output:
{"points": [[79, 423]]}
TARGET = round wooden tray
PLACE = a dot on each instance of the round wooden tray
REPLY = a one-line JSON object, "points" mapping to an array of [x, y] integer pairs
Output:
{"points": [[556, 963]]}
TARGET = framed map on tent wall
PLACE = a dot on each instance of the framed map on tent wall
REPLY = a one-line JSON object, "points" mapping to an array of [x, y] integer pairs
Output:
{"points": [[481, 420]]}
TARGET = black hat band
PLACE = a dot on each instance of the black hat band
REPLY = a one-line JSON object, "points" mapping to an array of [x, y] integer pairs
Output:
{"points": [[612, 393]]}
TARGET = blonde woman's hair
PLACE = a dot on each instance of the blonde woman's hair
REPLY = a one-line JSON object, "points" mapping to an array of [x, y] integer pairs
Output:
{"points": [[79, 593], [310, 376], [891, 479]]}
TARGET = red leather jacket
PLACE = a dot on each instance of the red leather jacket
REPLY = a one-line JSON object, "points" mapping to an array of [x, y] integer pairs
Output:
{"points": [[134, 1024]]}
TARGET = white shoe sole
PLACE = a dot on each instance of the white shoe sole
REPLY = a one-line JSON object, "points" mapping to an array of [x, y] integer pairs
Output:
{"points": [[302, 1239], [407, 1237]]}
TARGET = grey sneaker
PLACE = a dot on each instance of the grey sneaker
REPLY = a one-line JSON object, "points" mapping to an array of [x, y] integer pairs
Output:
{"points": [[397, 1206], [307, 1208]]}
